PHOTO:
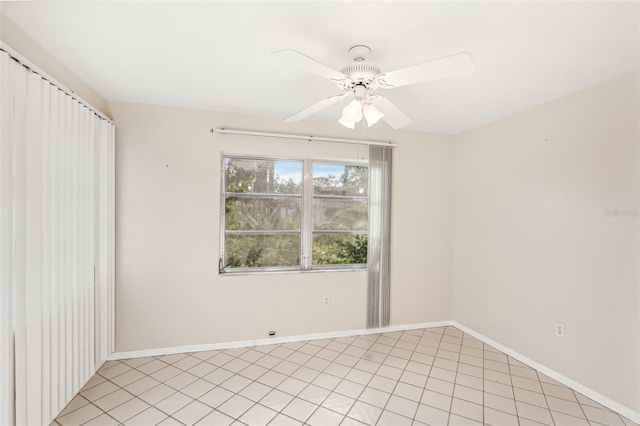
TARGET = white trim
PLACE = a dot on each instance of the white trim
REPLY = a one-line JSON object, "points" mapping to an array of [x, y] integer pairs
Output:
{"points": [[603, 400], [271, 341], [298, 137]]}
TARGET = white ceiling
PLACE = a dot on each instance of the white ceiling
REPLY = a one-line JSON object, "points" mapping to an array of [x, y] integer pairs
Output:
{"points": [[216, 55]]}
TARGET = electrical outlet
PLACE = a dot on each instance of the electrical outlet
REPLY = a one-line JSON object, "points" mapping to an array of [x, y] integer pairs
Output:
{"points": [[559, 329], [326, 301]]}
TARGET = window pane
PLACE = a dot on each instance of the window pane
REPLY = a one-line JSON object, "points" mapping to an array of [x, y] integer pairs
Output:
{"points": [[339, 249], [343, 215], [340, 179], [262, 250], [263, 176], [266, 214]]}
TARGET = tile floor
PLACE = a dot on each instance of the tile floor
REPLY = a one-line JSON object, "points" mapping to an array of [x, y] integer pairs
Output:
{"points": [[436, 376]]}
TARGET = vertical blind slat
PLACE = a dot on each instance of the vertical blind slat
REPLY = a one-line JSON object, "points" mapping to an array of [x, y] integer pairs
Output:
{"points": [[7, 385]]}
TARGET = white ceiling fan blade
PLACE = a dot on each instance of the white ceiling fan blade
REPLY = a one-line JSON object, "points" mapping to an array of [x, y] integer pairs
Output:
{"points": [[392, 114], [297, 59], [449, 66], [316, 107]]}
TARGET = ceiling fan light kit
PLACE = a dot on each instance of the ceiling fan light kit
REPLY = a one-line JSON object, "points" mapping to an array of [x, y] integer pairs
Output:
{"points": [[360, 79]]}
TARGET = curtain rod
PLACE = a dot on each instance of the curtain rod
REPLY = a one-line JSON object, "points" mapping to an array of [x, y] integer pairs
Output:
{"points": [[298, 137], [13, 54]]}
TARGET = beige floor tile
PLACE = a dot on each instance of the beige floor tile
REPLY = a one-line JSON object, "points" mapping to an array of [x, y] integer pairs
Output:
{"points": [[498, 389], [282, 420], [326, 381], [365, 413], [440, 386], [467, 409], [173, 403], [561, 392], [389, 372], [436, 399], [150, 416], [286, 367], [255, 391], [292, 386], [102, 420], [402, 406], [235, 383], [532, 412], [192, 413], [324, 417], [152, 366], [112, 400], [299, 409], [197, 388], [170, 421], [565, 419], [96, 379], [469, 381], [129, 409], [314, 394], [442, 374], [498, 418], [114, 371], [276, 400], [181, 380], [187, 363], [338, 403], [468, 394], [605, 417], [77, 402], [565, 407], [500, 403], [216, 397], [411, 392], [389, 418], [530, 397], [526, 372], [140, 386], [215, 418], [470, 370], [80, 416], [157, 394], [98, 391], [236, 406], [431, 416], [271, 378], [374, 397], [528, 384], [316, 363], [456, 420]]}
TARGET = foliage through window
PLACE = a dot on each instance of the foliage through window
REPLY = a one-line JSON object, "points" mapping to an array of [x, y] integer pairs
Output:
{"points": [[274, 219]]}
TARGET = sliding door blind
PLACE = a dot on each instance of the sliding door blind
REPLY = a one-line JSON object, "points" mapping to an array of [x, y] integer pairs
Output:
{"points": [[51, 149], [379, 254]]}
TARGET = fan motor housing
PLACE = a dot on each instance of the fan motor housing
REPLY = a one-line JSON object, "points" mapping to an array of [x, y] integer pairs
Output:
{"points": [[361, 73]]}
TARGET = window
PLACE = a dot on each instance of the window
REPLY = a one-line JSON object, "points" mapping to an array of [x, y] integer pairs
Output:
{"points": [[275, 219]]}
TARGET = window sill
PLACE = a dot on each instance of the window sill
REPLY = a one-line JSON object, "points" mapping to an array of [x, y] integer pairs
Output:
{"points": [[290, 271]]}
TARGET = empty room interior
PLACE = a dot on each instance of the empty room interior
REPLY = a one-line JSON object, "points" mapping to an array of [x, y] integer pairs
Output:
{"points": [[320, 213]]}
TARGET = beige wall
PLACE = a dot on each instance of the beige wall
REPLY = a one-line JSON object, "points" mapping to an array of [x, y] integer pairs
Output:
{"points": [[168, 291], [532, 244], [21, 42]]}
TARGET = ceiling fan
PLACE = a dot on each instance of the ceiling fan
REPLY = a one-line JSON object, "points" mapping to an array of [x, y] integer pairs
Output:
{"points": [[361, 79]]}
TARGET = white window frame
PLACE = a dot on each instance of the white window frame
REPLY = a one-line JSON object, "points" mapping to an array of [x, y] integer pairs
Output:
{"points": [[306, 212]]}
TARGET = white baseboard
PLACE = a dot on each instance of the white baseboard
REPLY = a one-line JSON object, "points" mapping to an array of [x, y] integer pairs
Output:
{"points": [[600, 399], [271, 341]]}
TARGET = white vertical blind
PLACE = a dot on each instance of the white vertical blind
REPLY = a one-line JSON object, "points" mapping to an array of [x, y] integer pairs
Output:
{"points": [[379, 250], [56, 185]]}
